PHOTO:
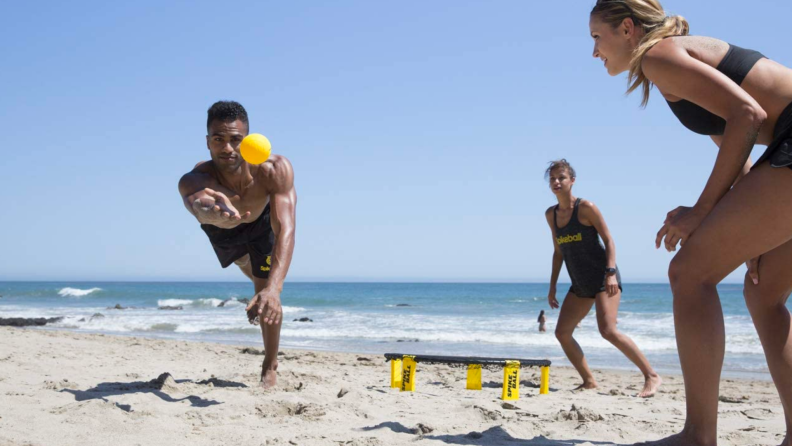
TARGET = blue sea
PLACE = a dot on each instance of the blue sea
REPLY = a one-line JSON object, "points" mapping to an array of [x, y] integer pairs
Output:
{"points": [[430, 318]]}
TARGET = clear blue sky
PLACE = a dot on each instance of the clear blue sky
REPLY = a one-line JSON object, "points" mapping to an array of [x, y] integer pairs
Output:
{"points": [[419, 132]]}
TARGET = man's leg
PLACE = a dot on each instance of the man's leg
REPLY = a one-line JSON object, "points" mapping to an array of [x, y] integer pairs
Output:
{"points": [[244, 264], [270, 334]]}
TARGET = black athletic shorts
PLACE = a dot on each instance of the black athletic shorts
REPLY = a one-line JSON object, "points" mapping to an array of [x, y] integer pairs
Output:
{"points": [[779, 152], [255, 238], [592, 288]]}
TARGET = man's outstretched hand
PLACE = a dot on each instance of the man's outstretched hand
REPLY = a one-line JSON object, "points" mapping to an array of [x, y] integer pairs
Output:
{"points": [[215, 208]]}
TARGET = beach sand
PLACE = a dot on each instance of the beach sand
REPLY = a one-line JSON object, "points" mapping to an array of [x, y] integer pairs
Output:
{"points": [[65, 388]]}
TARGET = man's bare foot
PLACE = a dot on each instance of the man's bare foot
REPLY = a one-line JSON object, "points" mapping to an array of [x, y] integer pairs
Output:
{"points": [[269, 375], [680, 439], [587, 385], [650, 386]]}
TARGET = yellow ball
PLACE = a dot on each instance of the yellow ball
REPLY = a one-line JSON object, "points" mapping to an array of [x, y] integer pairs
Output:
{"points": [[255, 148]]}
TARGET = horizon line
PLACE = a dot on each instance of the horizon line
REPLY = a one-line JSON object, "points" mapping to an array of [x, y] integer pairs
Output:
{"points": [[337, 281]]}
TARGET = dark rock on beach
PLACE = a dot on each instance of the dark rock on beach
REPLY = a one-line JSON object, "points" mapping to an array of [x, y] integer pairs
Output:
{"points": [[97, 316], [167, 307], [303, 319], [408, 340], [27, 321], [403, 305], [117, 307]]}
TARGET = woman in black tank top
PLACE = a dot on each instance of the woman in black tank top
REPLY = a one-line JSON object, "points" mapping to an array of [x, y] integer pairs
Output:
{"points": [[577, 226], [743, 215]]}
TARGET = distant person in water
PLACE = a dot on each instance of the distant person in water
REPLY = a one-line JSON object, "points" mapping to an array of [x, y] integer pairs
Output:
{"points": [[577, 226], [542, 319]]}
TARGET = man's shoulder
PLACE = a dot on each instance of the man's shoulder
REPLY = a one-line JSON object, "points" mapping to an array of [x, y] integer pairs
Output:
{"points": [[276, 173], [198, 177], [277, 164]]}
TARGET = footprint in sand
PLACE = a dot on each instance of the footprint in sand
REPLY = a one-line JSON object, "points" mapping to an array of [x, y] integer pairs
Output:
{"points": [[283, 409], [758, 414], [578, 414], [60, 385], [489, 415]]}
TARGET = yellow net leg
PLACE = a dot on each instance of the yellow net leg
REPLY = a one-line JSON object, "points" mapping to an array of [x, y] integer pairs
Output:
{"points": [[408, 374], [511, 380], [396, 373], [473, 377], [544, 387]]}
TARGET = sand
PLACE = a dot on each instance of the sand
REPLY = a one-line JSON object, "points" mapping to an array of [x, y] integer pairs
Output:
{"points": [[65, 388]]}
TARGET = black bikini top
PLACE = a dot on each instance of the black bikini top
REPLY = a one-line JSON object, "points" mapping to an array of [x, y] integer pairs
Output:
{"points": [[735, 64]]}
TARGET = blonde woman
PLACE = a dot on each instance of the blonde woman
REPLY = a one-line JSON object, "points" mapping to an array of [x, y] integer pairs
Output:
{"points": [[739, 98], [577, 226]]}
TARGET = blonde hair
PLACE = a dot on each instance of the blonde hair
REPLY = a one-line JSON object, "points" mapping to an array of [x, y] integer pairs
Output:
{"points": [[649, 16]]}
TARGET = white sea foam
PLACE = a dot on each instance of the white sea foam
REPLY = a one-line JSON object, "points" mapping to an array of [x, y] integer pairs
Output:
{"points": [[173, 302], [76, 292], [652, 332], [292, 309]]}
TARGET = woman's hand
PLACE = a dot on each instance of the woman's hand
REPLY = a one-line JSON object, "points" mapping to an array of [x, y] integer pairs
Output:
{"points": [[551, 298], [611, 285], [679, 225], [753, 269]]}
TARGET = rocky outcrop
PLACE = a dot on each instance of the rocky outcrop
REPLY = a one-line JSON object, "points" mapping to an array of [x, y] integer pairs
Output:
{"points": [[27, 321]]}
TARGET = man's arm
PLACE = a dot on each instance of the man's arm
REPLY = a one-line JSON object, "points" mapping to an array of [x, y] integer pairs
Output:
{"points": [[208, 205], [283, 203]]}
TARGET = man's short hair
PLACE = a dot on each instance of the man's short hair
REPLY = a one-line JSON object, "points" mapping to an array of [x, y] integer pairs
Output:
{"points": [[226, 111]]}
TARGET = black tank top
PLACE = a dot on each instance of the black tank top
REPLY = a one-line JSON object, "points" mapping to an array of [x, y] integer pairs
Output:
{"points": [[735, 64], [583, 252]]}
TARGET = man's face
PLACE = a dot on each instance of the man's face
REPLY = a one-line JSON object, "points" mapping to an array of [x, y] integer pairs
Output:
{"points": [[223, 143]]}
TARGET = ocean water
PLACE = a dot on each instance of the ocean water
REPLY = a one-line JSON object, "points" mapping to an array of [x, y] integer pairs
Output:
{"points": [[428, 318]]}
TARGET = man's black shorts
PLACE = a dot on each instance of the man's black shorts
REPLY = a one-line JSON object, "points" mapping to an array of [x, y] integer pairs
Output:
{"points": [[255, 238]]}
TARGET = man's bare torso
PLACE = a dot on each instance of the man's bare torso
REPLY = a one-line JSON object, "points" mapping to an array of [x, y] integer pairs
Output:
{"points": [[250, 195]]}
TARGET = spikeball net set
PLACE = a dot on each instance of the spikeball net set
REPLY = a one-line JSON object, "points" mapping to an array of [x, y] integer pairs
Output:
{"points": [[403, 368]]}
